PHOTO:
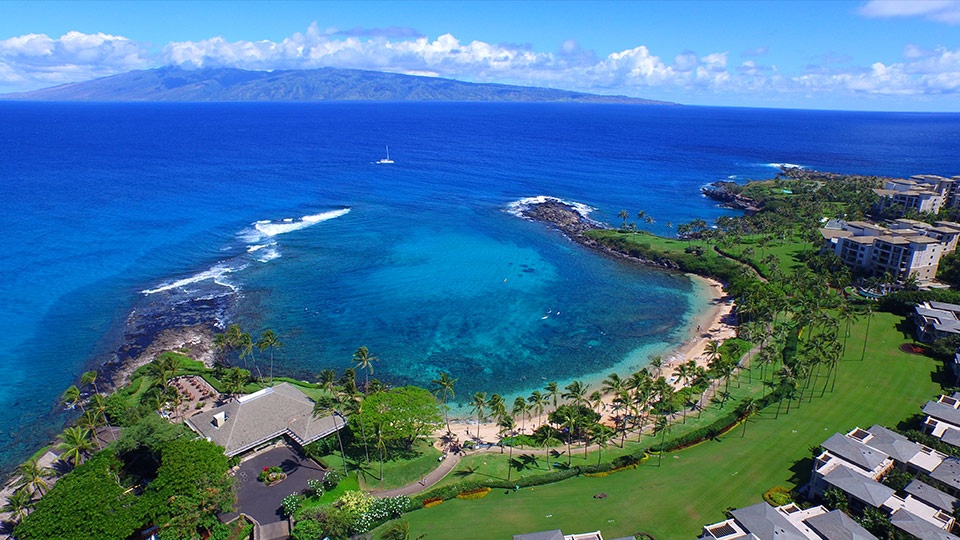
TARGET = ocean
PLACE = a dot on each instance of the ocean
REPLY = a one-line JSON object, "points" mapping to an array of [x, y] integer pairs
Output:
{"points": [[277, 216]]}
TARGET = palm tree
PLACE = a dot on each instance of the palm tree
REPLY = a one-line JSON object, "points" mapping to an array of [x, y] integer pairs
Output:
{"points": [[866, 336], [537, 403], [246, 346], [269, 340], [327, 379], [601, 435], [596, 399], [656, 363], [747, 408], [355, 400], [381, 448], [520, 410], [624, 215], [553, 390], [662, 426], [364, 361], [569, 420], [444, 390], [90, 377], [613, 384], [399, 530], [479, 403], [163, 368], [76, 444], [18, 505], [327, 405], [71, 396], [32, 476], [91, 421], [498, 408]]}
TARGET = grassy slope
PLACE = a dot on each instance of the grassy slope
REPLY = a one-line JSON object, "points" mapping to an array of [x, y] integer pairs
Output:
{"points": [[696, 485]]}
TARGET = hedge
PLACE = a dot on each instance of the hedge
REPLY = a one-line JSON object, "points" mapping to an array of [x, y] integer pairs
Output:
{"points": [[474, 494]]}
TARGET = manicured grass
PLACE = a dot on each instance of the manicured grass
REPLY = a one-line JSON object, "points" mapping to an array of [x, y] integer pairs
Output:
{"points": [[694, 486], [350, 483], [399, 472]]}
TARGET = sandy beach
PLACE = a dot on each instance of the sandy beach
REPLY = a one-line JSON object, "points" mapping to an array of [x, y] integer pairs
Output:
{"points": [[713, 323]]}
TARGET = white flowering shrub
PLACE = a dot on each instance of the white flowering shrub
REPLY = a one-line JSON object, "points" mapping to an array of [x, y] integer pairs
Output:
{"points": [[315, 487], [291, 503]]}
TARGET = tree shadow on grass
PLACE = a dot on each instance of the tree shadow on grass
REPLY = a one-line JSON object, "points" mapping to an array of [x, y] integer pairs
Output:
{"points": [[800, 471]]}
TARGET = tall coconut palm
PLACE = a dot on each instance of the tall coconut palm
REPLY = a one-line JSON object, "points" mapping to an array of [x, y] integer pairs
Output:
{"points": [[601, 435], [32, 476], [91, 421], [478, 404], [443, 388], [71, 397], [18, 505], [327, 379], [498, 408], [662, 426], [76, 444], [553, 391], [364, 361], [747, 408], [520, 410], [354, 399], [246, 345], [537, 403], [327, 405], [269, 340], [90, 377], [656, 363]]}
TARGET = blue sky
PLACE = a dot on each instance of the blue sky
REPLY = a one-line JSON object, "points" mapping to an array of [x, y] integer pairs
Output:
{"points": [[898, 55]]}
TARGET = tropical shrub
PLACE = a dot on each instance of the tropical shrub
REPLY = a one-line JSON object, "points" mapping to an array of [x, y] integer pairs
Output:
{"points": [[331, 479], [270, 474], [315, 487], [432, 501], [778, 496]]}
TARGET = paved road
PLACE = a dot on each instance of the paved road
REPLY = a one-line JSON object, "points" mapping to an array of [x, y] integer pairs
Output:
{"points": [[435, 476]]}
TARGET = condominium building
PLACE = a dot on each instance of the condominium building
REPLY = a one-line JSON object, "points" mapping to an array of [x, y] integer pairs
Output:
{"points": [[906, 248], [921, 193]]}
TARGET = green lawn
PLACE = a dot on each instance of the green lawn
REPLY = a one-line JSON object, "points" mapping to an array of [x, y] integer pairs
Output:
{"points": [[694, 486], [399, 472]]}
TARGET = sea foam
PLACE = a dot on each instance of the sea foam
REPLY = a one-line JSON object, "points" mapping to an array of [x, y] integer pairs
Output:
{"points": [[785, 165], [517, 208], [217, 273], [273, 228]]}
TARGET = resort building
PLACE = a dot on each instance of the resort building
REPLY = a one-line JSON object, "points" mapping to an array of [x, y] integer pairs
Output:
{"points": [[935, 320], [764, 522], [906, 195], [920, 193], [943, 419], [856, 462], [906, 250], [256, 420]]}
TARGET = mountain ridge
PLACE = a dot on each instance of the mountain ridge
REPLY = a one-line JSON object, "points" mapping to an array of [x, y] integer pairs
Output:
{"points": [[322, 84]]}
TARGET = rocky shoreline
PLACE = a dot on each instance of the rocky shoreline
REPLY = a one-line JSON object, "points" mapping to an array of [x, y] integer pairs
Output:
{"points": [[573, 224]]}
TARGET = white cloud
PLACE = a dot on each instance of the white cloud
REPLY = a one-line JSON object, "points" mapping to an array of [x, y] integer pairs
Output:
{"points": [[945, 11], [36, 60]]}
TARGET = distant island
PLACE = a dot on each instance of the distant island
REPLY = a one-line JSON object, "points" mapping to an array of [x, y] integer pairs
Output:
{"points": [[325, 84]]}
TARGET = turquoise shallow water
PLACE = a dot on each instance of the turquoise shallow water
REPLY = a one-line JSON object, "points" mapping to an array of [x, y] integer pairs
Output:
{"points": [[104, 201]]}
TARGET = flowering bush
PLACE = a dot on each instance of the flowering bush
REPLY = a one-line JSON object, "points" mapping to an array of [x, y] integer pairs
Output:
{"points": [[315, 487], [433, 501], [270, 474], [474, 494], [380, 512], [355, 502], [291, 503], [331, 479]]}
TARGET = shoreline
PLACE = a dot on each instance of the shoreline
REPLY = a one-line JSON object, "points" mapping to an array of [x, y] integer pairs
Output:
{"points": [[714, 323]]}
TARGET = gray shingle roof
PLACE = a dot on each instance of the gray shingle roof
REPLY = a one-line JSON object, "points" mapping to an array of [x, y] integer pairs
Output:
{"points": [[836, 525], [893, 444], [948, 472], [263, 416], [932, 496], [855, 452], [951, 436], [859, 486], [943, 412], [917, 526], [542, 535], [765, 523]]}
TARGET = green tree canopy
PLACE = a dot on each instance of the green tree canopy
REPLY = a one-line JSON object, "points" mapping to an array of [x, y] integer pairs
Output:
{"points": [[87, 503], [402, 415]]}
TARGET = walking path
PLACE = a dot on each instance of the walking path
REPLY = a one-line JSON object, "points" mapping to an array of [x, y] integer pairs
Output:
{"points": [[451, 461]]}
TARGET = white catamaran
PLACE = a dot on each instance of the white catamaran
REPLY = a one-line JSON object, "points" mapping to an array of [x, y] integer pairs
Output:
{"points": [[387, 160]]}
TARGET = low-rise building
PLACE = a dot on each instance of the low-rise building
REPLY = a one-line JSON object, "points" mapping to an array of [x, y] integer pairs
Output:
{"points": [[936, 320], [943, 419], [788, 522], [254, 420], [901, 252]]}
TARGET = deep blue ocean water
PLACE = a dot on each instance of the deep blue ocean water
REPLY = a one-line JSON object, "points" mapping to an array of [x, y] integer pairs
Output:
{"points": [[418, 261]]}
